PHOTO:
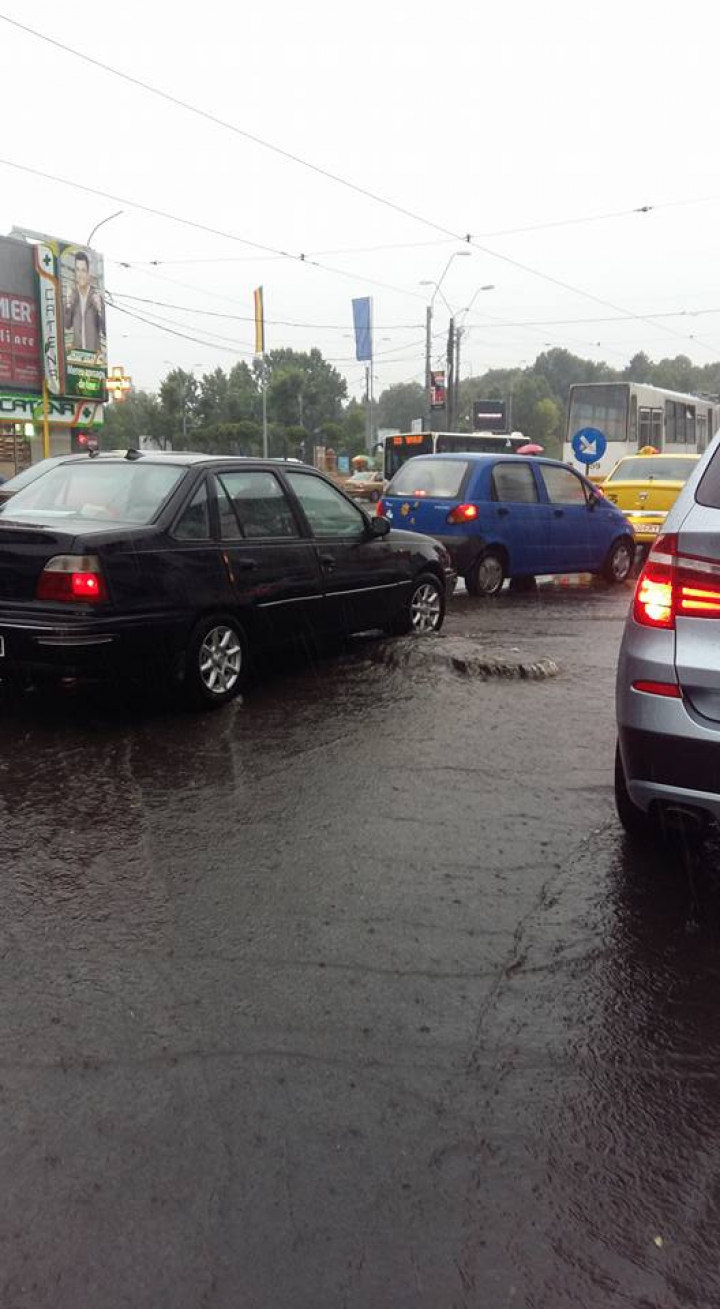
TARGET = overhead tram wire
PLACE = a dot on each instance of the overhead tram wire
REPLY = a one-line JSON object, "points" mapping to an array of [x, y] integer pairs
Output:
{"points": [[392, 205], [326, 173]]}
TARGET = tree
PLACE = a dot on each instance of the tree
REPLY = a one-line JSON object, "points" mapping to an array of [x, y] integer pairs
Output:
{"points": [[317, 389], [126, 422], [546, 426], [399, 404], [212, 401], [243, 394], [178, 401]]}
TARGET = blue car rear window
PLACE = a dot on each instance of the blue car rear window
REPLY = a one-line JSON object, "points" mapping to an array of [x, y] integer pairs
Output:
{"points": [[440, 477]]}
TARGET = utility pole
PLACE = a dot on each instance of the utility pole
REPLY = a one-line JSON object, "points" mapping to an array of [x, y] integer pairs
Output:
{"points": [[450, 379], [368, 414], [456, 403], [428, 378]]}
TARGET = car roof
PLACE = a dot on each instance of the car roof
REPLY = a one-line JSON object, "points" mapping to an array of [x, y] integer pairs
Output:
{"points": [[677, 454], [489, 457], [183, 458]]}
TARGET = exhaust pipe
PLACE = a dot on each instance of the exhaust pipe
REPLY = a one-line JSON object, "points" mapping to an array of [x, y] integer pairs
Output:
{"points": [[684, 818]]}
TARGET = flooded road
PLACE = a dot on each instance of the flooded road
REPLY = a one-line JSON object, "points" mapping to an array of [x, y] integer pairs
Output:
{"points": [[355, 995]]}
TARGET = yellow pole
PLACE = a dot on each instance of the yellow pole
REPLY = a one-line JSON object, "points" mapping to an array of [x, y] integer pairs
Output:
{"points": [[46, 422]]}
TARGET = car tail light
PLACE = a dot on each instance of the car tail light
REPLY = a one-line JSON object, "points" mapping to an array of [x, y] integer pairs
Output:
{"points": [[74, 578], [380, 511], [463, 514], [673, 585]]}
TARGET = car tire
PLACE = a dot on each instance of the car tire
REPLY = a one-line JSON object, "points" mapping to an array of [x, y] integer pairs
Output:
{"points": [[635, 821], [486, 578], [619, 563], [423, 611], [525, 584], [216, 662]]}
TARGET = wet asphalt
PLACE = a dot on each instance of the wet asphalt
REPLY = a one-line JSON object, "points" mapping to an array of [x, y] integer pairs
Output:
{"points": [[354, 996]]}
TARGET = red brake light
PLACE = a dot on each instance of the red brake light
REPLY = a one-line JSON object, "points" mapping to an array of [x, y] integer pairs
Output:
{"points": [[72, 577], [674, 585], [654, 604], [380, 510], [466, 513]]}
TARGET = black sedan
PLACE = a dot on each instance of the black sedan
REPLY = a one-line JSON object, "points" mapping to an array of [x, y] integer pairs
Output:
{"points": [[194, 565]]}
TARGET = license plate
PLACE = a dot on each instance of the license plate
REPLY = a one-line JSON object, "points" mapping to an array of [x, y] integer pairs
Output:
{"points": [[653, 528]]}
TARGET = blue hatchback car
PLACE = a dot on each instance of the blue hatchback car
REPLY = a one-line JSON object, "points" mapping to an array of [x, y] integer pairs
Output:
{"points": [[504, 516]]}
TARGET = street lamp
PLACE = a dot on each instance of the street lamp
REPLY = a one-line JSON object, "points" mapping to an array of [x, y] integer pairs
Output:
{"points": [[456, 254], [102, 223]]}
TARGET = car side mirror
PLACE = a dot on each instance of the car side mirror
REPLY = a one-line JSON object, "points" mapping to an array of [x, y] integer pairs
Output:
{"points": [[378, 526]]}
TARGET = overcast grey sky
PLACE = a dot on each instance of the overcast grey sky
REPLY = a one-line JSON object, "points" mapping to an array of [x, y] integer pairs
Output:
{"points": [[478, 117]]}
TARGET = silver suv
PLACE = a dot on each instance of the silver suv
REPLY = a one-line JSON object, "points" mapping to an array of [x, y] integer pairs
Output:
{"points": [[667, 767]]}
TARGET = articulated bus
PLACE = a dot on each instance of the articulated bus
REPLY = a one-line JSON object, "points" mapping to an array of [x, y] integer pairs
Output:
{"points": [[632, 415], [398, 449]]}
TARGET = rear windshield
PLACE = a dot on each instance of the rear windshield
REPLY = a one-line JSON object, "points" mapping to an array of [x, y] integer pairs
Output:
{"points": [[647, 469], [708, 491], [442, 477], [106, 493]]}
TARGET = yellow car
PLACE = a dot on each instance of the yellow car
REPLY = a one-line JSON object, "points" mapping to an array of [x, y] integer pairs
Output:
{"points": [[645, 487]]}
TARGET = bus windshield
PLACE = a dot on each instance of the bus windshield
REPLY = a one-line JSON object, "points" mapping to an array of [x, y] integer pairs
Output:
{"points": [[602, 405], [398, 449]]}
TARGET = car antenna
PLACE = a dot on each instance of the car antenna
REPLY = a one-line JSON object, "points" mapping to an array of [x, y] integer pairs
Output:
{"points": [[133, 454], [93, 454]]}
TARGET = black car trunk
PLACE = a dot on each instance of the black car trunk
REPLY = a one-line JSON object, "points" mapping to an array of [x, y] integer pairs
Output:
{"points": [[24, 551]]}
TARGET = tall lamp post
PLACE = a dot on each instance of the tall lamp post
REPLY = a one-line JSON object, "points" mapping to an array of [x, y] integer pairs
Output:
{"points": [[456, 254]]}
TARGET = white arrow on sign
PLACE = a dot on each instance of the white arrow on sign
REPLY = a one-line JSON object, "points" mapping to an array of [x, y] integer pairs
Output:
{"points": [[587, 444]]}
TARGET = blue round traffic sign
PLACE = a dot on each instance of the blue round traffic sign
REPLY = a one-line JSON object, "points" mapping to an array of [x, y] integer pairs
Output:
{"points": [[589, 445]]}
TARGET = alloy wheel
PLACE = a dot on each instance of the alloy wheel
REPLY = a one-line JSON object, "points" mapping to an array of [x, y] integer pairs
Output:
{"points": [[425, 608], [220, 660]]}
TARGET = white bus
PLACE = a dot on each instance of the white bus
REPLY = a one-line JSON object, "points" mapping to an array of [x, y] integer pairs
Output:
{"points": [[398, 449], [632, 415]]}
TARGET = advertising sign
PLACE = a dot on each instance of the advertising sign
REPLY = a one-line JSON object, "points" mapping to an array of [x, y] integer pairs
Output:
{"points": [[362, 322], [438, 391], [18, 408], [489, 416], [20, 350], [19, 341], [72, 309]]}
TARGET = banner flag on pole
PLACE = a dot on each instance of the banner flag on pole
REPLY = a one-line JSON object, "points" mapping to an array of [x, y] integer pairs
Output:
{"points": [[259, 322], [362, 318]]}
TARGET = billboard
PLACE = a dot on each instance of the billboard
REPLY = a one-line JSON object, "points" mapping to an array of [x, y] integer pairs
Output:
{"points": [[438, 390], [72, 309], [489, 416], [20, 348]]}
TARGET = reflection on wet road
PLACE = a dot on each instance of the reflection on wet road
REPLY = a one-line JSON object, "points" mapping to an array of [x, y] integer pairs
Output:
{"points": [[354, 995]]}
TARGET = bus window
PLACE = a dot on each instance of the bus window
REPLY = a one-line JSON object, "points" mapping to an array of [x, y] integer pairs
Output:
{"points": [[701, 433], [670, 423], [603, 405], [645, 428], [633, 430], [657, 429], [690, 424]]}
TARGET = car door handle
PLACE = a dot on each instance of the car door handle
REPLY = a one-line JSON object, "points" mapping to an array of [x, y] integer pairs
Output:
{"points": [[503, 513], [558, 513], [328, 562], [245, 565]]}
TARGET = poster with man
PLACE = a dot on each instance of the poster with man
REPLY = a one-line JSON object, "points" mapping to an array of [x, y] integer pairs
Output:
{"points": [[82, 287]]}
